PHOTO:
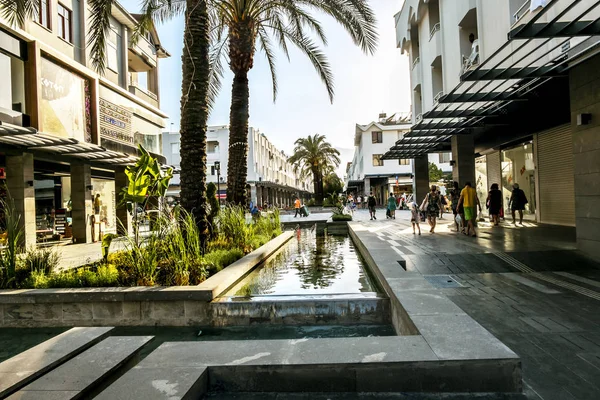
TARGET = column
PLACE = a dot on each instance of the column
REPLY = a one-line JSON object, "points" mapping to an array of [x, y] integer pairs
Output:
{"points": [[81, 199], [124, 219], [367, 186], [420, 178], [19, 181], [253, 194], [463, 155]]}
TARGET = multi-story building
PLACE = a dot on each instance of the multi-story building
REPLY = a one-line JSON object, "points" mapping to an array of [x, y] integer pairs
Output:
{"points": [[368, 171], [510, 87], [271, 177], [66, 133]]}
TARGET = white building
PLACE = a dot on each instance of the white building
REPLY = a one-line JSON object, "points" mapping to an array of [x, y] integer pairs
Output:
{"points": [[270, 176], [368, 171], [508, 85]]}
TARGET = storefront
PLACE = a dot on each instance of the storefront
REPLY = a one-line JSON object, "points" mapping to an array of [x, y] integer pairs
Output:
{"points": [[518, 167]]}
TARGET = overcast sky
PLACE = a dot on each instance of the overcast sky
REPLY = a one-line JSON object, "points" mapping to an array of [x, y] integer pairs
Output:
{"points": [[365, 85]]}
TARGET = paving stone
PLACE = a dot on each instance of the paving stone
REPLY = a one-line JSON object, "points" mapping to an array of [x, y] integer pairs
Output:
{"points": [[429, 302], [158, 383], [39, 359]]}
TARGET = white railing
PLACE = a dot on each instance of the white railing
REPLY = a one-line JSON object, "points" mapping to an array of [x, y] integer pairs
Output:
{"points": [[438, 96], [521, 12], [415, 62], [435, 28]]}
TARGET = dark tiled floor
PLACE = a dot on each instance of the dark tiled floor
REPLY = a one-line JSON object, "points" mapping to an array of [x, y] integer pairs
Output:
{"points": [[530, 288]]}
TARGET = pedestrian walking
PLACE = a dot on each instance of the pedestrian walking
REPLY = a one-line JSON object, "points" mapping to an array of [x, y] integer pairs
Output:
{"points": [[297, 205], [443, 203], [517, 203], [468, 199], [371, 202], [358, 201], [431, 205], [415, 217], [494, 203], [391, 206]]}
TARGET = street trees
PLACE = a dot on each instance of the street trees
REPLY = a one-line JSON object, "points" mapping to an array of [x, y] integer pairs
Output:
{"points": [[241, 25], [313, 156]]}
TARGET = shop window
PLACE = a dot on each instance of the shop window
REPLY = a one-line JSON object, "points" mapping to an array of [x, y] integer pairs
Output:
{"points": [[377, 137], [65, 27], [404, 161], [377, 160], [43, 15]]}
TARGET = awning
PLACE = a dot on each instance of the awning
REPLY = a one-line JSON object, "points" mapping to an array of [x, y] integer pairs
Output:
{"points": [[32, 140], [542, 46]]}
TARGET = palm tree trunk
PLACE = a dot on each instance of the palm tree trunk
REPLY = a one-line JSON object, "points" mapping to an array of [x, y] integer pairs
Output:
{"points": [[237, 166], [194, 114], [241, 58]]}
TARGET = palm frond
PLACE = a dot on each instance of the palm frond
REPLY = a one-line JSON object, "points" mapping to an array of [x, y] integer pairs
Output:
{"points": [[99, 26], [17, 11], [266, 46]]}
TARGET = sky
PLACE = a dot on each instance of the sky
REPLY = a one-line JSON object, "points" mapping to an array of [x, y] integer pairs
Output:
{"points": [[364, 85]]}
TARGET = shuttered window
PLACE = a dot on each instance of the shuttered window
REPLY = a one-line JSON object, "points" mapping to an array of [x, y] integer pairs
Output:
{"points": [[556, 177]]}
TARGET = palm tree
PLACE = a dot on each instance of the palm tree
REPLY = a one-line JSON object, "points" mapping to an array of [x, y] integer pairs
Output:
{"points": [[315, 157], [197, 88], [242, 24]]}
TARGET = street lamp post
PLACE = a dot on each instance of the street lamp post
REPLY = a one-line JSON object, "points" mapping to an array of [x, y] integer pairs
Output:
{"points": [[218, 169]]}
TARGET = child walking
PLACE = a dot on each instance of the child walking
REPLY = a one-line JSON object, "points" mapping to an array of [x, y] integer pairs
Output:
{"points": [[414, 217]]}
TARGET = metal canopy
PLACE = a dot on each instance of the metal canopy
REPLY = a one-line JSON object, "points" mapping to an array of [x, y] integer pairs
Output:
{"points": [[540, 47], [31, 139]]}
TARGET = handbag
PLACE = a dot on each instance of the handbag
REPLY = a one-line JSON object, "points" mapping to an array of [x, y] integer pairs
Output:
{"points": [[425, 203]]}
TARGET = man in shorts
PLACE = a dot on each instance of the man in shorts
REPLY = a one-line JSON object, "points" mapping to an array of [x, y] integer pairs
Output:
{"points": [[371, 202], [469, 201]]}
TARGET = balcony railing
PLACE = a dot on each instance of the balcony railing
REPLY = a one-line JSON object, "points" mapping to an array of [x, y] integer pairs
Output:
{"points": [[435, 28], [438, 96], [415, 62], [521, 12]]}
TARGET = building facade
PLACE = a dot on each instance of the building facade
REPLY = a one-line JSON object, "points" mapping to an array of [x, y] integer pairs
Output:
{"points": [[271, 177], [368, 171], [509, 88], [67, 133]]}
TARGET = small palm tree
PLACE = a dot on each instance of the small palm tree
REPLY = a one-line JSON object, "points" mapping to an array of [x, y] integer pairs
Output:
{"points": [[241, 25], [315, 157], [197, 92]]}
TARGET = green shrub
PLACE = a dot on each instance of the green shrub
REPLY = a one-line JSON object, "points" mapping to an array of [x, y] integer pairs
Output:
{"points": [[41, 259], [107, 275], [219, 259], [341, 217], [259, 240], [269, 225], [66, 279], [232, 227], [198, 271], [37, 280], [120, 259], [311, 202]]}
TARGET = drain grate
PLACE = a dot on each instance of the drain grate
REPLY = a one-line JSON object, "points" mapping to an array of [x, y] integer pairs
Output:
{"points": [[442, 281]]}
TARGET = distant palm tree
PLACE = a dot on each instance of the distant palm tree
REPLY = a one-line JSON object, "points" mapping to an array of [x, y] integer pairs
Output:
{"points": [[242, 24], [315, 157], [198, 89]]}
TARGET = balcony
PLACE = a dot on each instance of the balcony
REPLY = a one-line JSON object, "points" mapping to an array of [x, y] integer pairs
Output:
{"points": [[142, 55], [145, 95], [416, 73], [435, 42]]}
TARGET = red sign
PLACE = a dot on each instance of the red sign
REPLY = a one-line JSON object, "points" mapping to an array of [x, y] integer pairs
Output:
{"points": [[2, 173]]}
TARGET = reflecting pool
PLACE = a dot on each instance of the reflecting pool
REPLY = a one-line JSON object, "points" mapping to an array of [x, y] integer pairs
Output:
{"points": [[312, 263]]}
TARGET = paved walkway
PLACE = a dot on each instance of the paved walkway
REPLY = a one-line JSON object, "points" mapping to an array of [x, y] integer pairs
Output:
{"points": [[527, 285]]}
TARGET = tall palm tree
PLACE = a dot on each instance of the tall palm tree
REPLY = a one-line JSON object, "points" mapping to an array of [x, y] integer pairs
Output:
{"points": [[241, 25], [315, 157], [197, 89]]}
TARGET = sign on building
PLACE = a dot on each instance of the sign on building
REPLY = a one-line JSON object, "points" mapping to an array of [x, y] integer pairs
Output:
{"points": [[115, 122]]}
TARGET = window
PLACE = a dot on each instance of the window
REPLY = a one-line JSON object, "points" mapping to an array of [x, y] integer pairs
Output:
{"points": [[112, 38], [445, 158], [377, 137], [377, 160], [212, 170], [43, 15], [174, 148], [404, 161], [65, 29]]}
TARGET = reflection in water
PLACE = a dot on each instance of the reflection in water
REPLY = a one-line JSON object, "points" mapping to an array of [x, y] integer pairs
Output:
{"points": [[312, 263]]}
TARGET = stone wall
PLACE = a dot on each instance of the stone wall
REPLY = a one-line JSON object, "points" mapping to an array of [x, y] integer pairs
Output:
{"points": [[584, 83]]}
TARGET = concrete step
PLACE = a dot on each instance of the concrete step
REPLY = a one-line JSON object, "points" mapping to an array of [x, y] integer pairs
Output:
{"points": [[25, 367], [158, 383], [79, 377], [364, 396]]}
